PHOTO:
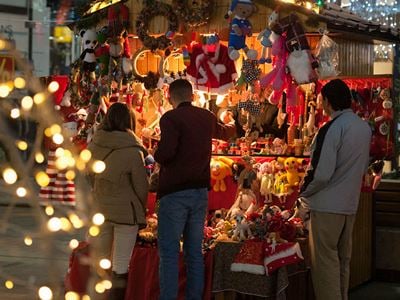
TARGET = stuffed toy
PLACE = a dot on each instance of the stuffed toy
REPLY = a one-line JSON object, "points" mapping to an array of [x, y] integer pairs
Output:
{"points": [[277, 77], [264, 38], [300, 62], [267, 177], [210, 69], [118, 19], [242, 229], [220, 168], [327, 54], [250, 71], [292, 176], [102, 51], [240, 26], [245, 204], [89, 43]]}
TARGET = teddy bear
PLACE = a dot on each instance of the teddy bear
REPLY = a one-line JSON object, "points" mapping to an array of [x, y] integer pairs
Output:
{"points": [[250, 71], [264, 38], [240, 26], [245, 203], [89, 43], [242, 228]]}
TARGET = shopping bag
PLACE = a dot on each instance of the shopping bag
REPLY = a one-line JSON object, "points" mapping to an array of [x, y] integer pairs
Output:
{"points": [[78, 270]]}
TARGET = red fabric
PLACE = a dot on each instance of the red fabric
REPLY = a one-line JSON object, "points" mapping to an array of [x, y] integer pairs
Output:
{"points": [[143, 281], [63, 84], [279, 255], [78, 272]]}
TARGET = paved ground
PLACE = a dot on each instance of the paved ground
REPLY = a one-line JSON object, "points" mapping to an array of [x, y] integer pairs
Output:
{"points": [[43, 263]]}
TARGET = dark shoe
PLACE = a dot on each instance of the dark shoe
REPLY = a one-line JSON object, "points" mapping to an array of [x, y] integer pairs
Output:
{"points": [[119, 282]]}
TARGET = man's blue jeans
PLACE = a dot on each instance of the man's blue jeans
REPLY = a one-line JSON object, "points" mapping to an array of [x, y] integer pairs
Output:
{"points": [[180, 213]]}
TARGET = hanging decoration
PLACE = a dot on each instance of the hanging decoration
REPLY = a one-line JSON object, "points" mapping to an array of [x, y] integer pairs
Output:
{"points": [[150, 80], [194, 16], [151, 10]]}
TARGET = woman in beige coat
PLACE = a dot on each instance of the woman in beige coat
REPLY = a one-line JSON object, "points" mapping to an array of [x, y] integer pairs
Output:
{"points": [[120, 191]]}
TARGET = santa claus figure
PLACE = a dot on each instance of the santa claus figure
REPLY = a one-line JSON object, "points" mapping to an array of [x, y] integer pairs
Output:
{"points": [[210, 69]]}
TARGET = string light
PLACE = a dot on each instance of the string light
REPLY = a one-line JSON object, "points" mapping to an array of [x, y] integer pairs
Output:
{"points": [[73, 243], [54, 224], [19, 82], [21, 192], [39, 98], [9, 284], [53, 86], [15, 113], [39, 158], [45, 293], [98, 166], [98, 219], [72, 296], [49, 210], [22, 145], [28, 241], [105, 263], [27, 103], [10, 176]]}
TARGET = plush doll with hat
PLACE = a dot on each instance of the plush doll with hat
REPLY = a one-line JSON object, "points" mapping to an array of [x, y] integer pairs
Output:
{"points": [[240, 26], [300, 62]]}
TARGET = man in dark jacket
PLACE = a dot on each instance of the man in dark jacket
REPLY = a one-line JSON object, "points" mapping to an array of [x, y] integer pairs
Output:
{"points": [[184, 154]]}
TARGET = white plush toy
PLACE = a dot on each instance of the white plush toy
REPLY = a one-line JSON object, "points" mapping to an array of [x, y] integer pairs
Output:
{"points": [[89, 43]]}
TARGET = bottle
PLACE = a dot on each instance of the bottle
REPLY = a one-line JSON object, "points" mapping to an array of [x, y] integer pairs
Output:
{"points": [[291, 132]]}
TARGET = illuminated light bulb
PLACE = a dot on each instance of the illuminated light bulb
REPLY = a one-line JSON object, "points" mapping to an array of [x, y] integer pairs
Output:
{"points": [[98, 166], [65, 224], [54, 224], [73, 243], [70, 175], [61, 163], [22, 145], [39, 158], [27, 103], [59, 152], [85, 155], [105, 263], [72, 296], [21, 192], [47, 132], [45, 293], [19, 82], [67, 153], [4, 91], [308, 5], [42, 179], [10, 85], [100, 289], [3, 44], [94, 230], [49, 210], [98, 219], [10, 176], [107, 284], [71, 161], [39, 98], [28, 241], [55, 128], [15, 113], [58, 138], [53, 86], [76, 221], [80, 165], [85, 297], [9, 284]]}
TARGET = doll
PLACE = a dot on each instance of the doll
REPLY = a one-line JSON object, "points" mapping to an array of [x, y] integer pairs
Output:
{"points": [[264, 38], [240, 26]]}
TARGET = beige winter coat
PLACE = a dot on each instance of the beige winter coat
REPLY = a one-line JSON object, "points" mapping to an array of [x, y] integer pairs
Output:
{"points": [[121, 190]]}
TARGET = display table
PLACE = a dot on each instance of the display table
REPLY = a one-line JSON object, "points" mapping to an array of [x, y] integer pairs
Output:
{"points": [[143, 281]]}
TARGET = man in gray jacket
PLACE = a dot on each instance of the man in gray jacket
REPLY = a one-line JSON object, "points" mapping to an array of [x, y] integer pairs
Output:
{"points": [[339, 159]]}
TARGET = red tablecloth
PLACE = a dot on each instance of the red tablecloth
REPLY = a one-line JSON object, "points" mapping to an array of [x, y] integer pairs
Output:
{"points": [[143, 281]]}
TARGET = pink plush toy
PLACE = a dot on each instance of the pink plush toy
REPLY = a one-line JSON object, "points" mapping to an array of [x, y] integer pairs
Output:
{"points": [[277, 77]]}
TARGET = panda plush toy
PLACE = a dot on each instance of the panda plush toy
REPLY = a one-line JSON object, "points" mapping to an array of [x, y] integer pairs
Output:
{"points": [[89, 43]]}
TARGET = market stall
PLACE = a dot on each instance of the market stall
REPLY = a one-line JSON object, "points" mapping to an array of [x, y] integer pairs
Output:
{"points": [[271, 89]]}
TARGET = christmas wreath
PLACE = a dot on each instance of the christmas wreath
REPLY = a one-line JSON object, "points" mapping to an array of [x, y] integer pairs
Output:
{"points": [[194, 16], [151, 10]]}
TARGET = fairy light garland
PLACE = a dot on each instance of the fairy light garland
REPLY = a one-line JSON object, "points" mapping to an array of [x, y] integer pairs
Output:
{"points": [[16, 174]]}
